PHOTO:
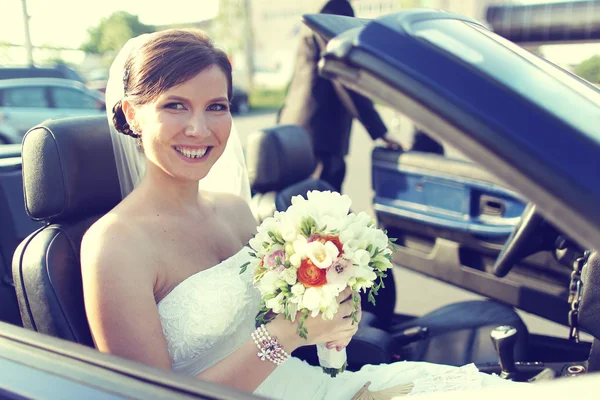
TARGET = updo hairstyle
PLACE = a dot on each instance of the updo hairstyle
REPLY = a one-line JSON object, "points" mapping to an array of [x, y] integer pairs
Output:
{"points": [[169, 58]]}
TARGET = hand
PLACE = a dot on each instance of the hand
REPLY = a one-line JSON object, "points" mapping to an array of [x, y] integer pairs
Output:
{"points": [[339, 345], [338, 330], [392, 143]]}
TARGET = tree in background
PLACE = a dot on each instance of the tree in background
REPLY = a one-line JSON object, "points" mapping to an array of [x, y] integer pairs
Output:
{"points": [[232, 31], [589, 69], [112, 33]]}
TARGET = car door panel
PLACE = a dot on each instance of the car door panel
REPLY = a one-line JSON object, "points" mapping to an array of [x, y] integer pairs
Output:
{"points": [[452, 218]]}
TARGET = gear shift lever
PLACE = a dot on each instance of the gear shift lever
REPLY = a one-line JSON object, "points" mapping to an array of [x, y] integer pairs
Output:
{"points": [[504, 338]]}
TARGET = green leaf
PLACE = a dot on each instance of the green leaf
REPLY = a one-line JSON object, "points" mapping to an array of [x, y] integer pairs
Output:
{"points": [[371, 297], [302, 331], [244, 267]]}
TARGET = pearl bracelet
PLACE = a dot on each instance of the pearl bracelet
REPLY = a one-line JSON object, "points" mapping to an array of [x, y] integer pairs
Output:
{"points": [[269, 348]]}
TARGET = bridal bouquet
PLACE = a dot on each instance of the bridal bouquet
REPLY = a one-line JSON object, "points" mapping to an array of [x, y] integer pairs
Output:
{"points": [[304, 257]]}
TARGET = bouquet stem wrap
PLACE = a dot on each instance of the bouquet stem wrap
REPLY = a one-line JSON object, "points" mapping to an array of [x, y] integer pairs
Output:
{"points": [[332, 361]]}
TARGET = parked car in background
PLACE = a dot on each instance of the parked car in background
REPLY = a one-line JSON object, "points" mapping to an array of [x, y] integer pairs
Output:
{"points": [[239, 101], [58, 71], [26, 102]]}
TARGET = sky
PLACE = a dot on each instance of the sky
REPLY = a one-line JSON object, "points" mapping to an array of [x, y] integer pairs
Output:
{"points": [[65, 22]]}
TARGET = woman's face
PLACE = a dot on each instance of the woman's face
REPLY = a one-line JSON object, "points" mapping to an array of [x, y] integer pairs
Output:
{"points": [[185, 129]]}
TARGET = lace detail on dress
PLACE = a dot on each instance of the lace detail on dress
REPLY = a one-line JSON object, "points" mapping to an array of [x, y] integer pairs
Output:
{"points": [[209, 315], [462, 378]]}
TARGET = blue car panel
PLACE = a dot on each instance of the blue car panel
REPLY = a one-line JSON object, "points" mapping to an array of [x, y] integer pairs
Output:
{"points": [[446, 201]]}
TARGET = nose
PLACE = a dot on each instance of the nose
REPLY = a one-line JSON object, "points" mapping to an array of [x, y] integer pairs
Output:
{"points": [[197, 126]]}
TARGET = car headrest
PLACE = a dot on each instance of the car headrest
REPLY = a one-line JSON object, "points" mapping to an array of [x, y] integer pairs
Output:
{"points": [[69, 169], [278, 157]]}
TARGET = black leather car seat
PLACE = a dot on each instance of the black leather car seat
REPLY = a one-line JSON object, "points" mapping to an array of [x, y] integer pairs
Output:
{"points": [[69, 181], [280, 164], [15, 225]]}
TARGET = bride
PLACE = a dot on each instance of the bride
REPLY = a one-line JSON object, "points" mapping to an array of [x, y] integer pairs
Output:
{"points": [[161, 270]]}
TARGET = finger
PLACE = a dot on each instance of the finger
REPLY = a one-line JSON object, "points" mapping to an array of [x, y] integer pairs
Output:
{"points": [[344, 295], [338, 344], [345, 309]]}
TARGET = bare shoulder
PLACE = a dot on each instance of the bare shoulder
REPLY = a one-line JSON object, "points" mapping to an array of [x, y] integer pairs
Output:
{"points": [[237, 212], [118, 287], [110, 244]]}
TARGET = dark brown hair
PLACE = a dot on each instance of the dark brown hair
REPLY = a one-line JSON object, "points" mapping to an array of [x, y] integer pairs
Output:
{"points": [[169, 58]]}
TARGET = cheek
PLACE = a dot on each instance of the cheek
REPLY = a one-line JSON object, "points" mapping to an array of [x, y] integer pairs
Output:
{"points": [[170, 124], [221, 127]]}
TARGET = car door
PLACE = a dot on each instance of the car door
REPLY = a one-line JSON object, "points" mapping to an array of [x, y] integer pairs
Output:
{"points": [[452, 217], [25, 106], [74, 102]]}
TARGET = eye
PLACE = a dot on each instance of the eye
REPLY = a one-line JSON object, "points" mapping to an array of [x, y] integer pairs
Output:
{"points": [[218, 107], [175, 106]]}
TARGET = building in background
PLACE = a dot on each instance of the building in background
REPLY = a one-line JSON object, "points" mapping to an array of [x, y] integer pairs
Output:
{"points": [[277, 23]]}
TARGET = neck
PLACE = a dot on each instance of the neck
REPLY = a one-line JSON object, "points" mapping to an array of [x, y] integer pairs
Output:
{"points": [[169, 193]]}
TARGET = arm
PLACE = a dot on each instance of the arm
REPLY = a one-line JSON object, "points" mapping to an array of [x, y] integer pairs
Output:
{"points": [[369, 117], [119, 281]]}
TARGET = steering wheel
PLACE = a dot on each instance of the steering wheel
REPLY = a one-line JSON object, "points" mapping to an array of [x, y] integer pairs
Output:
{"points": [[524, 240]]}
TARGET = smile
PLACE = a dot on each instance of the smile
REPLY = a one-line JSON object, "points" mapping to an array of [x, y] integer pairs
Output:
{"points": [[192, 153]]}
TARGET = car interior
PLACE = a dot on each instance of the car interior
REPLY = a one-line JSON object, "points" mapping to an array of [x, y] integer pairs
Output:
{"points": [[58, 165]]}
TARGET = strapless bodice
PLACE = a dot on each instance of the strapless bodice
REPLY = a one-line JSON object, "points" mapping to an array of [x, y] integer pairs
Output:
{"points": [[209, 315]]}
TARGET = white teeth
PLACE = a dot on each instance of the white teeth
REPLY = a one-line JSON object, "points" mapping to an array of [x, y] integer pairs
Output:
{"points": [[191, 153]]}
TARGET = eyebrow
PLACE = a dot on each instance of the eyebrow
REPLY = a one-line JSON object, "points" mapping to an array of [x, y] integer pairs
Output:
{"points": [[179, 98]]}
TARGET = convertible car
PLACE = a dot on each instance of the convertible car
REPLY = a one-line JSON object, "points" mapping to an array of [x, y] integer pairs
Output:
{"points": [[519, 224]]}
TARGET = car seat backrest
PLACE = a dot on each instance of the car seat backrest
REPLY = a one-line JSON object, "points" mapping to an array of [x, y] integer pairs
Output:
{"points": [[589, 309], [15, 226], [278, 157], [69, 180]]}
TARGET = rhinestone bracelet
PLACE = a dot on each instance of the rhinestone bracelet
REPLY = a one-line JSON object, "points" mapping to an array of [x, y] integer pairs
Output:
{"points": [[268, 347]]}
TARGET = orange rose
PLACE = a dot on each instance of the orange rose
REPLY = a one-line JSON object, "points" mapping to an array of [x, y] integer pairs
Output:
{"points": [[310, 275]]}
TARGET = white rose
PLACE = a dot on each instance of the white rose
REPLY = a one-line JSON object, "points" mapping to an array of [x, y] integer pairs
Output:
{"points": [[267, 283], [312, 298], [300, 246], [298, 289], [365, 273], [364, 219], [379, 239], [350, 233], [295, 260], [289, 230], [329, 203], [276, 304], [289, 275], [361, 257], [322, 255]]}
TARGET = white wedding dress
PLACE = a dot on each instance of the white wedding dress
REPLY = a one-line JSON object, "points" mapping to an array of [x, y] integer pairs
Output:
{"points": [[210, 314]]}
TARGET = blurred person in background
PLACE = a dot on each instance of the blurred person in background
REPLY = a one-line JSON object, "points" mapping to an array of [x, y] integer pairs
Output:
{"points": [[326, 109]]}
